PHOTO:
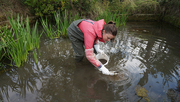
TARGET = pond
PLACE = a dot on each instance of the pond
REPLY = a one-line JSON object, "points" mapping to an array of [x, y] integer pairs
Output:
{"points": [[147, 54]]}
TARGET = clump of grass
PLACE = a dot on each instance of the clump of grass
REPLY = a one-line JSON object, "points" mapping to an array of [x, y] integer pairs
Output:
{"points": [[15, 48], [20, 39], [123, 17], [65, 21], [35, 55], [57, 17], [109, 16], [48, 29]]}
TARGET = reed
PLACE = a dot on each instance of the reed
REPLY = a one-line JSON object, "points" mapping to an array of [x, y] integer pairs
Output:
{"points": [[35, 55], [2, 50], [65, 21], [123, 17], [62, 22], [19, 39], [35, 36], [108, 16], [48, 29], [15, 48], [57, 17]]}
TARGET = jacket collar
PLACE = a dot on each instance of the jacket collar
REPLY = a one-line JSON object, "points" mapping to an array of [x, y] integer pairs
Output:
{"points": [[98, 26]]}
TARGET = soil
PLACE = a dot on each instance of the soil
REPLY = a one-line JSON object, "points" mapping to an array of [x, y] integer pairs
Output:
{"points": [[103, 61], [14, 7]]}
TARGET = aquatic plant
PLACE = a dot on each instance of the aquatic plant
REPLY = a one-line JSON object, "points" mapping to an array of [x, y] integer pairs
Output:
{"points": [[15, 48], [123, 17], [57, 17], [36, 36], [20, 39], [65, 21], [49, 32], [2, 47], [62, 22], [109, 16], [35, 55]]}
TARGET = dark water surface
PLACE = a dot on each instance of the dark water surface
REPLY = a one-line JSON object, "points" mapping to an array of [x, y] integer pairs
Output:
{"points": [[146, 54]]}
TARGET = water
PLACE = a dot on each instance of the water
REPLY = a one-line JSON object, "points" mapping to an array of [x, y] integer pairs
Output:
{"points": [[145, 53]]}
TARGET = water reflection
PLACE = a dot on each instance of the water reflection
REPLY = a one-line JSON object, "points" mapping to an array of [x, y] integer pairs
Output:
{"points": [[148, 52]]}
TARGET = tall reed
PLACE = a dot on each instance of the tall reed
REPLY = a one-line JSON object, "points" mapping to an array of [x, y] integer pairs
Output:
{"points": [[20, 39], [65, 21], [57, 17], [2, 47], [36, 36], [108, 16], [35, 55], [15, 48], [123, 17], [48, 29]]}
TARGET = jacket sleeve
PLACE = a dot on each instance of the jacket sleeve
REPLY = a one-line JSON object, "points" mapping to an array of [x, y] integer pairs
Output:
{"points": [[92, 58]]}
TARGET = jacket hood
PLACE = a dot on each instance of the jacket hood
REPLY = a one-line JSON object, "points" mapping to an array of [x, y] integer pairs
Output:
{"points": [[98, 26]]}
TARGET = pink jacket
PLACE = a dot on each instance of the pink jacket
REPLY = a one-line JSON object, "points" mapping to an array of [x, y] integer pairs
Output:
{"points": [[92, 31]]}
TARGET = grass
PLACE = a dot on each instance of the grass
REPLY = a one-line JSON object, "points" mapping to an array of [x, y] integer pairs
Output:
{"points": [[62, 22], [20, 39], [48, 29], [108, 16], [65, 21], [57, 17]]}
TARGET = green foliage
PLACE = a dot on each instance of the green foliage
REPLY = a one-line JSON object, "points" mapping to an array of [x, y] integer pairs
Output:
{"points": [[119, 19], [48, 28], [19, 40], [62, 22], [35, 56], [135, 6], [65, 21], [147, 6], [45, 7]]}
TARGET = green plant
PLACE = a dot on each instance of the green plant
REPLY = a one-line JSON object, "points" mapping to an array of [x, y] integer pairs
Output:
{"points": [[123, 18], [65, 21], [35, 56], [35, 36], [19, 39], [49, 31], [15, 48], [108, 16], [45, 7], [57, 17]]}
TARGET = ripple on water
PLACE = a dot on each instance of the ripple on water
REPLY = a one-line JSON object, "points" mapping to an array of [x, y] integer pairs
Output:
{"points": [[123, 77]]}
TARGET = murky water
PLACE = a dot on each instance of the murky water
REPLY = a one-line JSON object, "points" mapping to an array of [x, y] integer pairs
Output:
{"points": [[146, 55]]}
